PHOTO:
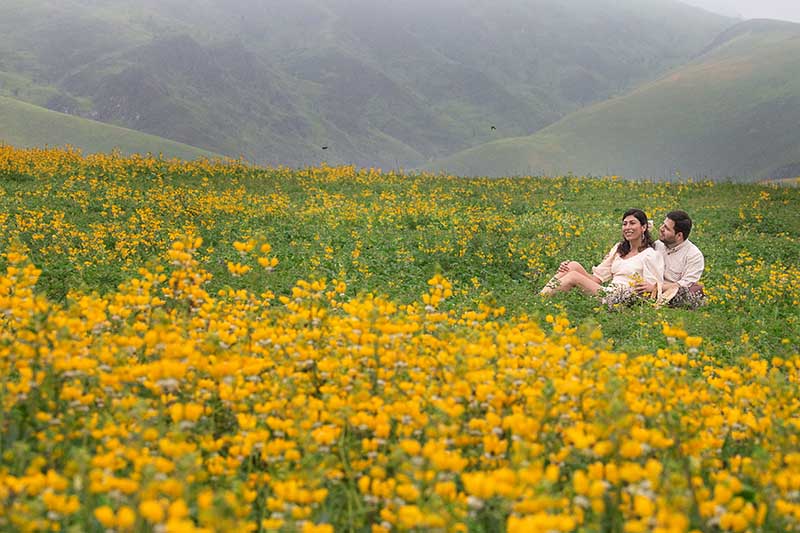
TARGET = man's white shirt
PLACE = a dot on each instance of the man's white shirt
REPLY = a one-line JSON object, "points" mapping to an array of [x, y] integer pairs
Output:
{"points": [[683, 264]]}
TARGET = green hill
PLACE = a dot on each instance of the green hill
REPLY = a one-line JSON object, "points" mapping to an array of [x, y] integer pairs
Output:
{"points": [[378, 82], [732, 112], [26, 125]]}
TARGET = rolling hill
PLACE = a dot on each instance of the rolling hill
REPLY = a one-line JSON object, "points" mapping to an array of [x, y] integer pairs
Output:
{"points": [[379, 82], [26, 125], [732, 112]]}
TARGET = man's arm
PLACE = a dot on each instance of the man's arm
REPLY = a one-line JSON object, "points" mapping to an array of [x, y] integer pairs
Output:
{"points": [[668, 286], [695, 264]]}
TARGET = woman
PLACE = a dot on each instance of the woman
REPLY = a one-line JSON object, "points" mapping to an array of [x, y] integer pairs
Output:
{"points": [[630, 261]]}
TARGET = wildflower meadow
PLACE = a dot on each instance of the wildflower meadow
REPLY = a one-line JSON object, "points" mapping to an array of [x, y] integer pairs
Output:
{"points": [[213, 346]]}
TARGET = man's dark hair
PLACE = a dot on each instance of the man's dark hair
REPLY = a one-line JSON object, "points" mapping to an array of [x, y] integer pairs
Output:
{"points": [[683, 224]]}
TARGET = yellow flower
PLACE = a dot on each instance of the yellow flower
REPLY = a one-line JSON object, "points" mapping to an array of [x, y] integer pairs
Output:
{"points": [[409, 516], [244, 247], [411, 447], [268, 262], [309, 527], [580, 482], [693, 342], [126, 518], [105, 515], [237, 269], [643, 506], [152, 511], [630, 449]]}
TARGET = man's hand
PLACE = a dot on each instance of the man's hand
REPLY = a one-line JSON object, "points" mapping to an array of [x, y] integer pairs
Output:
{"points": [[644, 288]]}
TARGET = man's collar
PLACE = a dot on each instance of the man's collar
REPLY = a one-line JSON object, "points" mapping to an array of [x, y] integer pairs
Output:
{"points": [[677, 247]]}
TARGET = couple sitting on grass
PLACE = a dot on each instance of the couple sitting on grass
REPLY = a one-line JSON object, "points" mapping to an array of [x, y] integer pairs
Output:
{"points": [[667, 270]]}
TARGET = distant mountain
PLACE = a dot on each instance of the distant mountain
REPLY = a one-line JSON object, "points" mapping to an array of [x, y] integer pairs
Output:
{"points": [[378, 82], [732, 112], [723, 7], [27, 125]]}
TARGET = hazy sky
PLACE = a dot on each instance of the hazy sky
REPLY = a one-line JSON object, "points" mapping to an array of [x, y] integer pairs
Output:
{"points": [[773, 9]]}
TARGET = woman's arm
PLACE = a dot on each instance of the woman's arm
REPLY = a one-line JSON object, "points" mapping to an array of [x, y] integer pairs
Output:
{"points": [[602, 272]]}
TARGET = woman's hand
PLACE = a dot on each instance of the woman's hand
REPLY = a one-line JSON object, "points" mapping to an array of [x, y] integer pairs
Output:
{"points": [[564, 266], [645, 288]]}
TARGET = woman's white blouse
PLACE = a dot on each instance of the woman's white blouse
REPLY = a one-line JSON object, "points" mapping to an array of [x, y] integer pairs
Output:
{"points": [[648, 264]]}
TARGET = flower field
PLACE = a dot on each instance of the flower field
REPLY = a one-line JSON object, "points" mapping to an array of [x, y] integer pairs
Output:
{"points": [[211, 346]]}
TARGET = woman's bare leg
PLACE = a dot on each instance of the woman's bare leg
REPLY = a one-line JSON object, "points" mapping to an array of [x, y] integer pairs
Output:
{"points": [[571, 266], [567, 267], [569, 281]]}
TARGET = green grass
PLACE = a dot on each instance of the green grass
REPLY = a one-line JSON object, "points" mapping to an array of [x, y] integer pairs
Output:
{"points": [[22, 88], [26, 125], [733, 112], [161, 389], [497, 240]]}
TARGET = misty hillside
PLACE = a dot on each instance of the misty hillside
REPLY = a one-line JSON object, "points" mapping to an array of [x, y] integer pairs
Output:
{"points": [[377, 82], [732, 112], [26, 125]]}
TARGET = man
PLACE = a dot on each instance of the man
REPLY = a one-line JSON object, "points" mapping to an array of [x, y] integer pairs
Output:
{"points": [[683, 261]]}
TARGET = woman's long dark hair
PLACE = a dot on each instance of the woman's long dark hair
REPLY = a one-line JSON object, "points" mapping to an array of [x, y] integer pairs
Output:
{"points": [[624, 247]]}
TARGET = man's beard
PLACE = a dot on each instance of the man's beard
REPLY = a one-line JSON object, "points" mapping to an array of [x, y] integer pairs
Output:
{"points": [[669, 243]]}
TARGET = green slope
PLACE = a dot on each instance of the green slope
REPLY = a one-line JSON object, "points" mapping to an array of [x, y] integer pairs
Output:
{"points": [[26, 125], [733, 112]]}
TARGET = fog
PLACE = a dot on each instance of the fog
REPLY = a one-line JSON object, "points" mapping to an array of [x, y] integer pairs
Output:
{"points": [[746, 9], [749, 9], [388, 83]]}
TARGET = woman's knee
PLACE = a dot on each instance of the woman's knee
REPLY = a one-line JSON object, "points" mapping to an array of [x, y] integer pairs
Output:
{"points": [[569, 266]]}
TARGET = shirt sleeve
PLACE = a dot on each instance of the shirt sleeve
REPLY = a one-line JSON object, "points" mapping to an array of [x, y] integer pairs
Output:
{"points": [[695, 264], [603, 270], [653, 268]]}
